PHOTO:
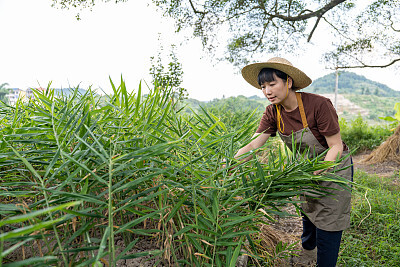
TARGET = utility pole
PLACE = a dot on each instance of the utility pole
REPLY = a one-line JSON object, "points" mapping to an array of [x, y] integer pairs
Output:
{"points": [[336, 86]]}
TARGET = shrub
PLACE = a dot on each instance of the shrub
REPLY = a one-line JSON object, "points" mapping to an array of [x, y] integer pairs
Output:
{"points": [[358, 135]]}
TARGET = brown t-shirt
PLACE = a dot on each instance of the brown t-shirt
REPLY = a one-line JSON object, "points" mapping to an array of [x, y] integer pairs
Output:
{"points": [[321, 116]]}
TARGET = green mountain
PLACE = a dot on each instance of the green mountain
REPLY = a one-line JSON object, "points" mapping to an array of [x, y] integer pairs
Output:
{"points": [[350, 83]]}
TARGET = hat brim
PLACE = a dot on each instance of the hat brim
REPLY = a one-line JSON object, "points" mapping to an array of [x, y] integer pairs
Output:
{"points": [[300, 79]]}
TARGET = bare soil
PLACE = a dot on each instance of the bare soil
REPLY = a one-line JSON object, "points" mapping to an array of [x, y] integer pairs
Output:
{"points": [[385, 169]]}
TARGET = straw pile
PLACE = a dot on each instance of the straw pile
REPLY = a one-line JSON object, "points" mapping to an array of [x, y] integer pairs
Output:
{"points": [[387, 151]]}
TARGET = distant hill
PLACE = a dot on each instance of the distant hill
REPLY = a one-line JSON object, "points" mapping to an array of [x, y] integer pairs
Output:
{"points": [[255, 97], [350, 83]]}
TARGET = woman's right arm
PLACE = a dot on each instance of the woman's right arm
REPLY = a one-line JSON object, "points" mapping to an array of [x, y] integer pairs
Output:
{"points": [[259, 140]]}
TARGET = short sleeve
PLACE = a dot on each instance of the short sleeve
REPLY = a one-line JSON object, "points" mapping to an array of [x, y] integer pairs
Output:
{"points": [[268, 122], [327, 118]]}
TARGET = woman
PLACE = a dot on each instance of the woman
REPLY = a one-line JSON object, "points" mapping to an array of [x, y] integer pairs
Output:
{"points": [[311, 121]]}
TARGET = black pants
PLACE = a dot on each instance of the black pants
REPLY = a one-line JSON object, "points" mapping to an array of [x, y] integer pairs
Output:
{"points": [[327, 243]]}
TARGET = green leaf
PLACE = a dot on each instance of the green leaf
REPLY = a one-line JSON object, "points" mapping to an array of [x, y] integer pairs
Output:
{"points": [[236, 254], [103, 244], [83, 166], [176, 208], [206, 210], [397, 110], [128, 247], [14, 247], [136, 221], [28, 229], [35, 260], [387, 118], [183, 230], [33, 214], [207, 132]]}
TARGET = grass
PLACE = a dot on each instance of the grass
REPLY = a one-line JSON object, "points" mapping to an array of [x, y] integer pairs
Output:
{"points": [[374, 236]]}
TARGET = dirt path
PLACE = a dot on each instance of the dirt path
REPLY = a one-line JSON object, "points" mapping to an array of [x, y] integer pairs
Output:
{"points": [[384, 169]]}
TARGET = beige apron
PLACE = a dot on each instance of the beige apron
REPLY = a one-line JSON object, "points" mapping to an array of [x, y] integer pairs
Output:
{"points": [[331, 212]]}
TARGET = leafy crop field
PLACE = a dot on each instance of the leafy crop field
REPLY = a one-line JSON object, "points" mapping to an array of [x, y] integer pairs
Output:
{"points": [[79, 173]]}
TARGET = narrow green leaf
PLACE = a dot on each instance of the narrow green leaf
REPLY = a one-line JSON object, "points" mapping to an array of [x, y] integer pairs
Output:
{"points": [[183, 230], [33, 214], [83, 166], [128, 247], [14, 247], [236, 254], [138, 220], [206, 210], [176, 208], [33, 261], [103, 243], [27, 229]]}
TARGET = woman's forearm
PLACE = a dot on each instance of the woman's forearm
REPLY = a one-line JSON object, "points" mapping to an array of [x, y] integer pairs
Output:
{"points": [[245, 150], [334, 152], [258, 141]]}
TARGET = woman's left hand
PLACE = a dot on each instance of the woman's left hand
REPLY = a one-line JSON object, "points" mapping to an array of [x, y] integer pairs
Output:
{"points": [[318, 172], [321, 171]]}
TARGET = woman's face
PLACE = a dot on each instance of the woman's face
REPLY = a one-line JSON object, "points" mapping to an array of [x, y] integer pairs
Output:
{"points": [[276, 91]]}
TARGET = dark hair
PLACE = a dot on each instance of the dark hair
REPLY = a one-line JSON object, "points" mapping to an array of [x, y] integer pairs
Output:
{"points": [[267, 75]]}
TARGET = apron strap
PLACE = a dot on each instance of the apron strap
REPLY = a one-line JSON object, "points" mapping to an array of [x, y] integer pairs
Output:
{"points": [[278, 109], [301, 108]]}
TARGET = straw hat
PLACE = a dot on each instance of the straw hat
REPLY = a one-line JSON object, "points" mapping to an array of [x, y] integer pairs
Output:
{"points": [[300, 79]]}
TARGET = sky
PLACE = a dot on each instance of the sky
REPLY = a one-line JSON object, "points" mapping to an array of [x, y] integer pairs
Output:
{"points": [[42, 44]]}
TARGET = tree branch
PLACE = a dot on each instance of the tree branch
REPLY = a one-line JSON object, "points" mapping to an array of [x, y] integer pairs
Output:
{"points": [[262, 36], [338, 31], [370, 66], [304, 11], [238, 14], [313, 29], [319, 13], [195, 10], [289, 6], [392, 23]]}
